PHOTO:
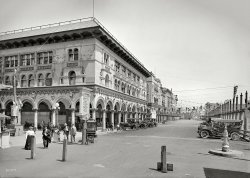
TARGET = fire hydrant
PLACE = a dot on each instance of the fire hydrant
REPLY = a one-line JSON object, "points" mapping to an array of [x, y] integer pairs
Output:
{"points": [[225, 143]]}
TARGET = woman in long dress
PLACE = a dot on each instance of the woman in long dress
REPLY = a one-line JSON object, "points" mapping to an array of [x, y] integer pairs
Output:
{"points": [[29, 133]]}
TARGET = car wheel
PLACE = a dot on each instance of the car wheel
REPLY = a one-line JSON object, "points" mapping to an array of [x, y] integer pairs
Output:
{"points": [[235, 136], [204, 134]]}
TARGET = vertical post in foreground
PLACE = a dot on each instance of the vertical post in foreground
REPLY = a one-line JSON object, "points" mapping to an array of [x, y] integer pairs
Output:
{"points": [[33, 147], [84, 132], [64, 154], [163, 159]]}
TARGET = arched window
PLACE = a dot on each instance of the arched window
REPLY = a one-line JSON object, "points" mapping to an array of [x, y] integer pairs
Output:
{"points": [[31, 80], [72, 78], [76, 54], [107, 80], [40, 80], [48, 80], [23, 81], [123, 87], [118, 85], [7, 80], [71, 55]]}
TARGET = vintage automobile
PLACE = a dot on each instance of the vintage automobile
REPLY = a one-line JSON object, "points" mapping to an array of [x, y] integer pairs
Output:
{"points": [[131, 123], [143, 124], [215, 128], [151, 122]]}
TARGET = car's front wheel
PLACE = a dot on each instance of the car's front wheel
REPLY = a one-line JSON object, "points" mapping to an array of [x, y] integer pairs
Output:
{"points": [[204, 134], [235, 136]]}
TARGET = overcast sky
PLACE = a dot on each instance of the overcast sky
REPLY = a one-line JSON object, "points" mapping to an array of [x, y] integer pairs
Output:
{"points": [[188, 44]]}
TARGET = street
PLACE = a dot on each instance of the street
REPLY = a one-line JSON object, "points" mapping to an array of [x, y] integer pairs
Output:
{"points": [[127, 154]]}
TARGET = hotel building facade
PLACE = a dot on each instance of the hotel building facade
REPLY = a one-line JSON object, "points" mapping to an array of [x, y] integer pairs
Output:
{"points": [[55, 65]]}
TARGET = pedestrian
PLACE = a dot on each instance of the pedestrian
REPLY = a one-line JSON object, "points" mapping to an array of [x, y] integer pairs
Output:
{"points": [[66, 130], [46, 137], [28, 135], [73, 133]]}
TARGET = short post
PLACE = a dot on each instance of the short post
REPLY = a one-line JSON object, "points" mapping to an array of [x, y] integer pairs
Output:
{"points": [[84, 132], [64, 154], [225, 143], [163, 164], [163, 159], [33, 146]]}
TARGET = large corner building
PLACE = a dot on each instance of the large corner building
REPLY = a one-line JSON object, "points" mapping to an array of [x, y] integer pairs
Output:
{"points": [[54, 64]]}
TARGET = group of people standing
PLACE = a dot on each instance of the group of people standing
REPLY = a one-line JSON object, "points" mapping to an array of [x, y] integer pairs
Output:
{"points": [[47, 134]]}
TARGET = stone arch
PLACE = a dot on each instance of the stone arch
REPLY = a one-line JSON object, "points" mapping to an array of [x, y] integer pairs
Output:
{"points": [[29, 100], [27, 113], [123, 107], [44, 101], [117, 106], [100, 100], [64, 100], [110, 103]]}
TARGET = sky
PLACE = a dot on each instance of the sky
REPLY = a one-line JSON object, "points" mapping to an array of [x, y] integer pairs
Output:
{"points": [[200, 49]]}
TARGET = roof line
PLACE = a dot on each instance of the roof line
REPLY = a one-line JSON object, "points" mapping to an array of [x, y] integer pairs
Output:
{"points": [[47, 26], [71, 22]]}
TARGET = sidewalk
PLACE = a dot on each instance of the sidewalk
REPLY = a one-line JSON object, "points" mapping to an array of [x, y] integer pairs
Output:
{"points": [[20, 140]]}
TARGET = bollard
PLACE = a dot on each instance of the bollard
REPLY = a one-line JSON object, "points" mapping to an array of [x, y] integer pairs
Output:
{"points": [[225, 143], [163, 159], [33, 146], [84, 133], [64, 154]]}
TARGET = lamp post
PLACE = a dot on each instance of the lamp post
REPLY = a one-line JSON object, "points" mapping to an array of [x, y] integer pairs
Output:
{"points": [[57, 110]]}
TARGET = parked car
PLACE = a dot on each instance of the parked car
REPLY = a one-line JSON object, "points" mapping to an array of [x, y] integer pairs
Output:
{"points": [[151, 122], [215, 128], [131, 123]]}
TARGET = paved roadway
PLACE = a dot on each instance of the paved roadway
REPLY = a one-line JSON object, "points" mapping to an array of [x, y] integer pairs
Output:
{"points": [[127, 154]]}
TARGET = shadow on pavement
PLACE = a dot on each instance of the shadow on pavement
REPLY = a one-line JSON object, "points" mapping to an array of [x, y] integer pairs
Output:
{"points": [[220, 173], [207, 154], [153, 169]]}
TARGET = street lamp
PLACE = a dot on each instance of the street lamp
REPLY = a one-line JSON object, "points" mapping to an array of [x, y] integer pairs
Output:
{"points": [[57, 109]]}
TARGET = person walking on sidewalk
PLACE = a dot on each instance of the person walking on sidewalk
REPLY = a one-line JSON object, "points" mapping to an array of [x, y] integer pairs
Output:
{"points": [[73, 133], [46, 137], [29, 133]]}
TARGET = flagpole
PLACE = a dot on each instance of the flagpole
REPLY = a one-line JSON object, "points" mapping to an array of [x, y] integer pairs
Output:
{"points": [[93, 8]]}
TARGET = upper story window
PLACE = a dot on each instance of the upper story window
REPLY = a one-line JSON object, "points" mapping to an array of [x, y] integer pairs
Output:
{"points": [[129, 73], [106, 59], [123, 70], [45, 57], [73, 54], [107, 80], [138, 79], [134, 77], [72, 78], [7, 80], [123, 87], [40, 80], [31, 80], [128, 89], [11, 61], [23, 81], [117, 66], [48, 79], [27, 59]]}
